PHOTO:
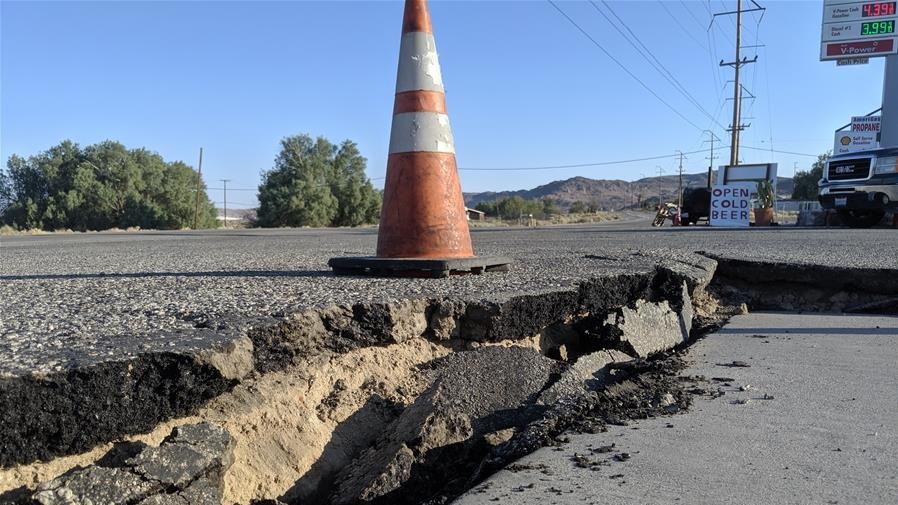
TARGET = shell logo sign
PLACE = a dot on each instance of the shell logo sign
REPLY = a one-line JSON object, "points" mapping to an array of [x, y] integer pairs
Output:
{"points": [[852, 142]]}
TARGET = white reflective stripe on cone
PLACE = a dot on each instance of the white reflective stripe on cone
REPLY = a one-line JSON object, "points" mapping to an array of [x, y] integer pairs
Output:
{"points": [[421, 131], [419, 66]]}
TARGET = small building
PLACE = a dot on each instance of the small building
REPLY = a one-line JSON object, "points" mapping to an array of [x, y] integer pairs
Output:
{"points": [[475, 215]]}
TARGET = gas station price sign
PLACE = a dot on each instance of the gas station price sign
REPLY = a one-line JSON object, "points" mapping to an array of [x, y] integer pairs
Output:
{"points": [[852, 29], [878, 9], [878, 27]]}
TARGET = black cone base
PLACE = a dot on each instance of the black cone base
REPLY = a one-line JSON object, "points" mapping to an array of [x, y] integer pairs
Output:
{"points": [[412, 267]]}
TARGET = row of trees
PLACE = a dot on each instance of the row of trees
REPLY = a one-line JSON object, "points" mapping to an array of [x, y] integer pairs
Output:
{"points": [[316, 183], [106, 185], [805, 181], [98, 187], [514, 207]]}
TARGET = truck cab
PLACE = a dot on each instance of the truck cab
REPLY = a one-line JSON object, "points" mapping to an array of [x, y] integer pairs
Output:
{"points": [[861, 186]]}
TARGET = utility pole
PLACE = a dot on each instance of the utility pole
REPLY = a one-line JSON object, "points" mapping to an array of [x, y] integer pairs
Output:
{"points": [[660, 171], [199, 177], [680, 185], [713, 138], [711, 158], [225, 181], [737, 125], [889, 133]]}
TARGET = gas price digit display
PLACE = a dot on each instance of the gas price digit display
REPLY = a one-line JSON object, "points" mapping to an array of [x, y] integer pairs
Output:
{"points": [[878, 9], [878, 27]]}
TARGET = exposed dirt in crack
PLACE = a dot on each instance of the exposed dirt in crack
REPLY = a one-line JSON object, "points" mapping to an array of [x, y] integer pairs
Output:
{"points": [[780, 286], [283, 421]]}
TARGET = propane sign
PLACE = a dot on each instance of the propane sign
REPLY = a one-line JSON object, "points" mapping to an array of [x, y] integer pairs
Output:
{"points": [[866, 123], [730, 205]]}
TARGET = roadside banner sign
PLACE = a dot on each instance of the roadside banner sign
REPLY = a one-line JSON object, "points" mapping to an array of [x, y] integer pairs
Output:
{"points": [[730, 205], [866, 123], [854, 30], [841, 62], [852, 142], [730, 174]]}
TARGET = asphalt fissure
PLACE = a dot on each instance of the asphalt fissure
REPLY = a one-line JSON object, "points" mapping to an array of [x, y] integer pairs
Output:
{"points": [[496, 379], [798, 287], [65, 413]]}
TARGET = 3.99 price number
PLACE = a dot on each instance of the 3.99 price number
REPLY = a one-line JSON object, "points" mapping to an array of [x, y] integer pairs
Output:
{"points": [[878, 27], [878, 9]]}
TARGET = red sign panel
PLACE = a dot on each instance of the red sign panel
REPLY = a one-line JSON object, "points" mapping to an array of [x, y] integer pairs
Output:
{"points": [[860, 48]]}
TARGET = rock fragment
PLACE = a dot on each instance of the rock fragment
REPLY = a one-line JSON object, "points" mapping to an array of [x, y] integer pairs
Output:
{"points": [[186, 469]]}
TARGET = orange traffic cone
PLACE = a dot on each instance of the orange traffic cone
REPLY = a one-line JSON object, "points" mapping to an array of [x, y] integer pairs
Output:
{"points": [[423, 222]]}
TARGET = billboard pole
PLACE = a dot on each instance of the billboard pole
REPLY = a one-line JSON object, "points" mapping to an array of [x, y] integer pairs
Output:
{"points": [[889, 126]]}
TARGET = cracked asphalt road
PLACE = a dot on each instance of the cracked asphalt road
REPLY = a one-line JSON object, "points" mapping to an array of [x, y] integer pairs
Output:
{"points": [[69, 299]]}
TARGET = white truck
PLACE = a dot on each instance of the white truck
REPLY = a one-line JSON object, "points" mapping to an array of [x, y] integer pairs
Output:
{"points": [[861, 186]]}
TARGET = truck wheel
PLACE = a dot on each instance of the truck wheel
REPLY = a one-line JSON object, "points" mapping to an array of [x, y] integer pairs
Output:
{"points": [[861, 218]]}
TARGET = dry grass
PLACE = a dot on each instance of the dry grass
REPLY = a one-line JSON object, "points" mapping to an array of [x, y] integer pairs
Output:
{"points": [[9, 230], [558, 219]]}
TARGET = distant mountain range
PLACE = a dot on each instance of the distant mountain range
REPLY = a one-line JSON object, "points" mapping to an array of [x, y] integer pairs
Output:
{"points": [[609, 194]]}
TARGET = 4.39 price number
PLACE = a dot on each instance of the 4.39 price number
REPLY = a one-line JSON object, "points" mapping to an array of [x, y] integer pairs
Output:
{"points": [[878, 27], [878, 9]]}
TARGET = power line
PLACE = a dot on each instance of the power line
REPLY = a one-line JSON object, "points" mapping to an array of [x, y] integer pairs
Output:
{"points": [[619, 162], [657, 63], [689, 11], [621, 65], [581, 165], [257, 189], [715, 69], [685, 30], [776, 151]]}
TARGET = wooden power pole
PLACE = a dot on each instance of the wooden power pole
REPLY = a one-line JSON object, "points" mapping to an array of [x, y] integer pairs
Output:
{"points": [[737, 64], [199, 178]]}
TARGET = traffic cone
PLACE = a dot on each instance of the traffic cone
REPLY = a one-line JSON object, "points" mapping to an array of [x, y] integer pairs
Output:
{"points": [[423, 222]]}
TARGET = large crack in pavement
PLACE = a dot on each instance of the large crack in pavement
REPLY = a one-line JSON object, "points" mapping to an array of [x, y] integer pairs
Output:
{"points": [[375, 402]]}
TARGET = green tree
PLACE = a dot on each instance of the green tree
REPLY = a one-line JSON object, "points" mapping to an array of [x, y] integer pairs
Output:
{"points": [[512, 207], [357, 200], [101, 186], [314, 183], [490, 208], [577, 207], [6, 194], [549, 207], [805, 181]]}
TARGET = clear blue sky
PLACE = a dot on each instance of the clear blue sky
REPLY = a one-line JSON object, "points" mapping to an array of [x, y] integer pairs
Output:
{"points": [[524, 87]]}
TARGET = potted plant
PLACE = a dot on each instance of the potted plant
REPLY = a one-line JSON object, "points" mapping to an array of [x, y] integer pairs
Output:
{"points": [[764, 212]]}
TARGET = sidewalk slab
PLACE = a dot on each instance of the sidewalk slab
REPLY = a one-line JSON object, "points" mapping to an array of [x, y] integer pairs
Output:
{"points": [[810, 420]]}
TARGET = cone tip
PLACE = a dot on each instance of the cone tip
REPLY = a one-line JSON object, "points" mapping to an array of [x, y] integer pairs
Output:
{"points": [[416, 17]]}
